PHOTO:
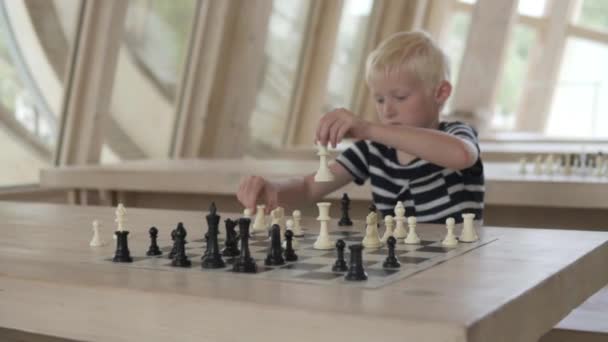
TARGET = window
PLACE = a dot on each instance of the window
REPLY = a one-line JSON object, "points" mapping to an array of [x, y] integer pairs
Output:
{"points": [[148, 73], [35, 43]]}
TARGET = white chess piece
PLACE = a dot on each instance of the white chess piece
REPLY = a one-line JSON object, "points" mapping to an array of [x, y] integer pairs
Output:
{"points": [[450, 239], [400, 231], [371, 239], [522, 166], [568, 165], [599, 166], [294, 242], [468, 230], [389, 223], [323, 240], [538, 165], [120, 217], [276, 218], [96, 241], [297, 229], [259, 224], [247, 213], [323, 174], [412, 238]]}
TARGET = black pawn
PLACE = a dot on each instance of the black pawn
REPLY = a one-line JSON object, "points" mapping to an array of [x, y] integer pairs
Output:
{"points": [[275, 256], [153, 250], [122, 253], [231, 243], [245, 263], [213, 259], [391, 261], [290, 254], [340, 264], [355, 269], [345, 206], [180, 259], [174, 248]]}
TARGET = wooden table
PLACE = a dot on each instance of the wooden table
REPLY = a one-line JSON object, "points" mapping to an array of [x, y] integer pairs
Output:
{"points": [[504, 185], [514, 289]]}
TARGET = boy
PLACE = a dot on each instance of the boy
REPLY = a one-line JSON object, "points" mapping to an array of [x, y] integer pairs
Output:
{"points": [[433, 167]]}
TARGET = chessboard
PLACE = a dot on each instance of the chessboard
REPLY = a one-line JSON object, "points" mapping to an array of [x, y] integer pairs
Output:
{"points": [[313, 266]]}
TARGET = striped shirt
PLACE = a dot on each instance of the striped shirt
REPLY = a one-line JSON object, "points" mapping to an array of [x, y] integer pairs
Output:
{"points": [[430, 192]]}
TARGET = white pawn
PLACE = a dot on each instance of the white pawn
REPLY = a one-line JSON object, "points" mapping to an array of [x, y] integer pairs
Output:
{"points": [[400, 231], [297, 229], [468, 230], [323, 173], [371, 239], [412, 238], [96, 241], [599, 166], [549, 165], [247, 213], [294, 241], [259, 224], [522, 166], [568, 165], [538, 165], [450, 239], [275, 216], [389, 223], [323, 240]]}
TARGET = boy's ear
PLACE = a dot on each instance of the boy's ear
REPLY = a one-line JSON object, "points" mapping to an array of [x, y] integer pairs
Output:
{"points": [[443, 92]]}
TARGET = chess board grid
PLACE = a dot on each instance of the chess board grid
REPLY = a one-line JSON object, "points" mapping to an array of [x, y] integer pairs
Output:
{"points": [[314, 266]]}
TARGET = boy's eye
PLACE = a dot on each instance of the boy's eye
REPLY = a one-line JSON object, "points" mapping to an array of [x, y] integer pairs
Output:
{"points": [[401, 98], [380, 101]]}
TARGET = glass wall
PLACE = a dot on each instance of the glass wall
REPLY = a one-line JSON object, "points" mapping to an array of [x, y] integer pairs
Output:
{"points": [[35, 44], [150, 61]]}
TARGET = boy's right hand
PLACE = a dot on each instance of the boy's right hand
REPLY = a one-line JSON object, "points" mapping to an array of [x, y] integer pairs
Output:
{"points": [[256, 190]]}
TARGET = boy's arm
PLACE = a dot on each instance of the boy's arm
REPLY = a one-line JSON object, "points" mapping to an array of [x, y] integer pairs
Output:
{"points": [[437, 147], [295, 193]]}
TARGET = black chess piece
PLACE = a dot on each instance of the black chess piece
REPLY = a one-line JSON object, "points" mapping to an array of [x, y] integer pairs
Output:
{"points": [[275, 256], [391, 261], [180, 259], [213, 259], [122, 253], [245, 263], [153, 250], [174, 248], [290, 253], [345, 206], [231, 243], [355, 269], [340, 264]]}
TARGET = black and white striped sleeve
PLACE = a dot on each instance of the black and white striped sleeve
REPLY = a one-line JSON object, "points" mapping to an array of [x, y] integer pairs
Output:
{"points": [[355, 160], [464, 131]]}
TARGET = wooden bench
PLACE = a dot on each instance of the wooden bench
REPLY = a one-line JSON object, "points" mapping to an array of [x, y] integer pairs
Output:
{"points": [[587, 323]]}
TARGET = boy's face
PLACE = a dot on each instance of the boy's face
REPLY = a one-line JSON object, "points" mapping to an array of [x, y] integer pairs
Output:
{"points": [[403, 100]]}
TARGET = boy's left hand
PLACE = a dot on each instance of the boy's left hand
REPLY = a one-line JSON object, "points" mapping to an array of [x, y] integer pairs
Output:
{"points": [[337, 124]]}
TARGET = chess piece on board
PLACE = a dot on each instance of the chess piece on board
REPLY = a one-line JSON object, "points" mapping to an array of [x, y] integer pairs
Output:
{"points": [[340, 264], [245, 263], [96, 240], [468, 233], [371, 239], [122, 253], [153, 250], [450, 239], [356, 272], [412, 237], [213, 258], [297, 227], [344, 208], [400, 231], [180, 259], [231, 248], [323, 240], [323, 173], [294, 242], [290, 253], [259, 224], [391, 260], [389, 223], [275, 254]]}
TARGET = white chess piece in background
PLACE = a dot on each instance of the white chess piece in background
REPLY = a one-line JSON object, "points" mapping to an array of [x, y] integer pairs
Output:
{"points": [[538, 165], [323, 240], [97, 240], [120, 217], [522, 166], [400, 231], [412, 238], [297, 228], [371, 239], [259, 224], [450, 239], [468, 233], [294, 242], [389, 223], [323, 173]]}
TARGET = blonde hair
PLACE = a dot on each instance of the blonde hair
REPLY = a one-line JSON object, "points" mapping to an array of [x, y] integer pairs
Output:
{"points": [[414, 53]]}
